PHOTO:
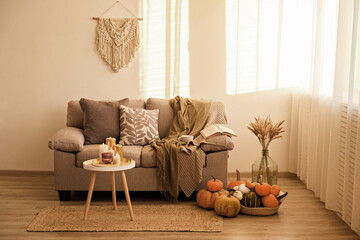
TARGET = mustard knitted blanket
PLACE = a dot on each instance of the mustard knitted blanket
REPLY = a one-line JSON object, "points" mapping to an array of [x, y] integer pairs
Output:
{"points": [[189, 119]]}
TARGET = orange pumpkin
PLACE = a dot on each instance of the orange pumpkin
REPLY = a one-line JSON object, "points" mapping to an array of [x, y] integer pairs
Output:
{"points": [[275, 190], [236, 182], [270, 201], [227, 206], [214, 185], [249, 184], [206, 199], [263, 189]]}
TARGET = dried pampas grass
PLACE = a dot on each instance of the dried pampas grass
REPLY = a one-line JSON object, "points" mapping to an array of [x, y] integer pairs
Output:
{"points": [[266, 131]]}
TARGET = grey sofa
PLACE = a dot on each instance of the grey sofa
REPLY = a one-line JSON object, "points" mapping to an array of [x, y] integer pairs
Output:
{"points": [[70, 152]]}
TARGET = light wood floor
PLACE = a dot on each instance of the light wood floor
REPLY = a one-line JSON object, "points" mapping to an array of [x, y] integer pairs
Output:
{"points": [[302, 216]]}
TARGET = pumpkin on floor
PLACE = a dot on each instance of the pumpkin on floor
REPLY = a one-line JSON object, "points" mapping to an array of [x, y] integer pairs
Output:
{"points": [[206, 198], [214, 185], [227, 206], [236, 182]]}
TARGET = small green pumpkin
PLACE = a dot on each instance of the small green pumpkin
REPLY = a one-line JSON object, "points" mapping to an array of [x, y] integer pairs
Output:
{"points": [[251, 199]]}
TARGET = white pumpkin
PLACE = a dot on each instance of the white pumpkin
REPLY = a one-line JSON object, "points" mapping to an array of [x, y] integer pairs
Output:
{"points": [[238, 195], [236, 188], [244, 189]]}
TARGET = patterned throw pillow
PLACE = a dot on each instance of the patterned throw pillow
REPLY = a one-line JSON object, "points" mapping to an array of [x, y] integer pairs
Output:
{"points": [[138, 126]]}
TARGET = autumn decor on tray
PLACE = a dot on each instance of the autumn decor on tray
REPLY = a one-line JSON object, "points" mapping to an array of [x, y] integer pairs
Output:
{"points": [[265, 131], [262, 199], [251, 198]]}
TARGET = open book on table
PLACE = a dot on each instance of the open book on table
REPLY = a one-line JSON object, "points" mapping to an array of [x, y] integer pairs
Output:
{"points": [[217, 129]]}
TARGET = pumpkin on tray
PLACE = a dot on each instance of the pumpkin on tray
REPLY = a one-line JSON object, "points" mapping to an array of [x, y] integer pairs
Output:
{"points": [[264, 211], [236, 182], [263, 200]]}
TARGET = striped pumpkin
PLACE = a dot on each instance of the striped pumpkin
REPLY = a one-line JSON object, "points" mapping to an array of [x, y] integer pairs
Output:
{"points": [[227, 206], [251, 200]]}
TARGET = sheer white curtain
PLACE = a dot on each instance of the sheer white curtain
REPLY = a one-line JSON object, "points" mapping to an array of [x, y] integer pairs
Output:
{"points": [[325, 132], [164, 64]]}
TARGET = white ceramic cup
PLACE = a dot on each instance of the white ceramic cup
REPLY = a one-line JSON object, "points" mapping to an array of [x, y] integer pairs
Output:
{"points": [[186, 138]]}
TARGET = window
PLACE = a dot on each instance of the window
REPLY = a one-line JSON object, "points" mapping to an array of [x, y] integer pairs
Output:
{"points": [[164, 51], [274, 43]]}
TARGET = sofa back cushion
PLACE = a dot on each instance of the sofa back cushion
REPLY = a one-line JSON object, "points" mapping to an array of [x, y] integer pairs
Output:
{"points": [[101, 119], [75, 114], [166, 114]]}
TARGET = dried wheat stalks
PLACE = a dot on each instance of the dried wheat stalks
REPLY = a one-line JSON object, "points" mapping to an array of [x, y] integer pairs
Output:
{"points": [[266, 131]]}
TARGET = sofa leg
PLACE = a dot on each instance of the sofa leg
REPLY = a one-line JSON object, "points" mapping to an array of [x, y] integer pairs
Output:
{"points": [[64, 195]]}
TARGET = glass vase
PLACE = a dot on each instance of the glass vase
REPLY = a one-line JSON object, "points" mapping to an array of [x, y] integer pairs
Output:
{"points": [[266, 167]]}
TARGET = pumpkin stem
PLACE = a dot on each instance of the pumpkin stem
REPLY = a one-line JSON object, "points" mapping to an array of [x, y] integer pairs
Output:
{"points": [[237, 175], [213, 178], [260, 180]]}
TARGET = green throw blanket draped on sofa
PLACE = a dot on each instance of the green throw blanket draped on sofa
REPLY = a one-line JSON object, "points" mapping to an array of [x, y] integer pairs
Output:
{"points": [[189, 119]]}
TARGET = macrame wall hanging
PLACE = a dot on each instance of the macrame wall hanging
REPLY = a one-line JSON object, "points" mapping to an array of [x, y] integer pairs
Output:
{"points": [[117, 39]]}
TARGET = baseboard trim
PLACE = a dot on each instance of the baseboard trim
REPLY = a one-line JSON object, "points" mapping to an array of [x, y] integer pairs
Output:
{"points": [[248, 175], [25, 172]]}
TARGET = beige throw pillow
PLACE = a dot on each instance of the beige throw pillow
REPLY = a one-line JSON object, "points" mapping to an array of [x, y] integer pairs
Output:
{"points": [[138, 126]]}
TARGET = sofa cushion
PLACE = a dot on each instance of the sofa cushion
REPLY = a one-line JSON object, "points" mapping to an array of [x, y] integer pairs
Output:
{"points": [[138, 126], [74, 115], [92, 151], [137, 103], [166, 114], [147, 157], [67, 139], [134, 153], [101, 119], [217, 143]]}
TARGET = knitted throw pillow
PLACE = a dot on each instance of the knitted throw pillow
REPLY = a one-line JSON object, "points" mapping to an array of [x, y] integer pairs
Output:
{"points": [[138, 126]]}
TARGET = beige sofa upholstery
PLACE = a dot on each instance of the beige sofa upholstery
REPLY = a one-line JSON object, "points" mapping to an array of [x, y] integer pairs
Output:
{"points": [[70, 152]]}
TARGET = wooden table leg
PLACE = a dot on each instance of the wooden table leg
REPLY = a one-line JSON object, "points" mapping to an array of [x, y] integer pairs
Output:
{"points": [[113, 189], [126, 191], [91, 189]]}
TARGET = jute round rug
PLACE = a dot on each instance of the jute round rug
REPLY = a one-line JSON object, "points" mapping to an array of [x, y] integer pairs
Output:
{"points": [[148, 217]]}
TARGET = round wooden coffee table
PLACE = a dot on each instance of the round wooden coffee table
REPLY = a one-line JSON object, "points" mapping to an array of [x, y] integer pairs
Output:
{"points": [[112, 169]]}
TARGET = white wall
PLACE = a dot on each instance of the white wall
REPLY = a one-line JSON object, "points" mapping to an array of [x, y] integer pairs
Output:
{"points": [[208, 80], [48, 57]]}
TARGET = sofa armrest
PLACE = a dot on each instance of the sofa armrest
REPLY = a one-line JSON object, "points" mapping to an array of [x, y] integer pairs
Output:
{"points": [[68, 139], [217, 143]]}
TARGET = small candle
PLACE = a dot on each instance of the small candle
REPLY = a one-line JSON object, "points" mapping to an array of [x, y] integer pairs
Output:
{"points": [[110, 142], [116, 159], [107, 157], [112, 151], [102, 148], [119, 150]]}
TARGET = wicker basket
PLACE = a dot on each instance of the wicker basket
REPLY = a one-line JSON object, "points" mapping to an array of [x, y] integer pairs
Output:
{"points": [[261, 211]]}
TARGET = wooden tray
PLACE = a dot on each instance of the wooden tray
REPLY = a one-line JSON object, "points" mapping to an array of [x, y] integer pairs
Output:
{"points": [[260, 211], [98, 164]]}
